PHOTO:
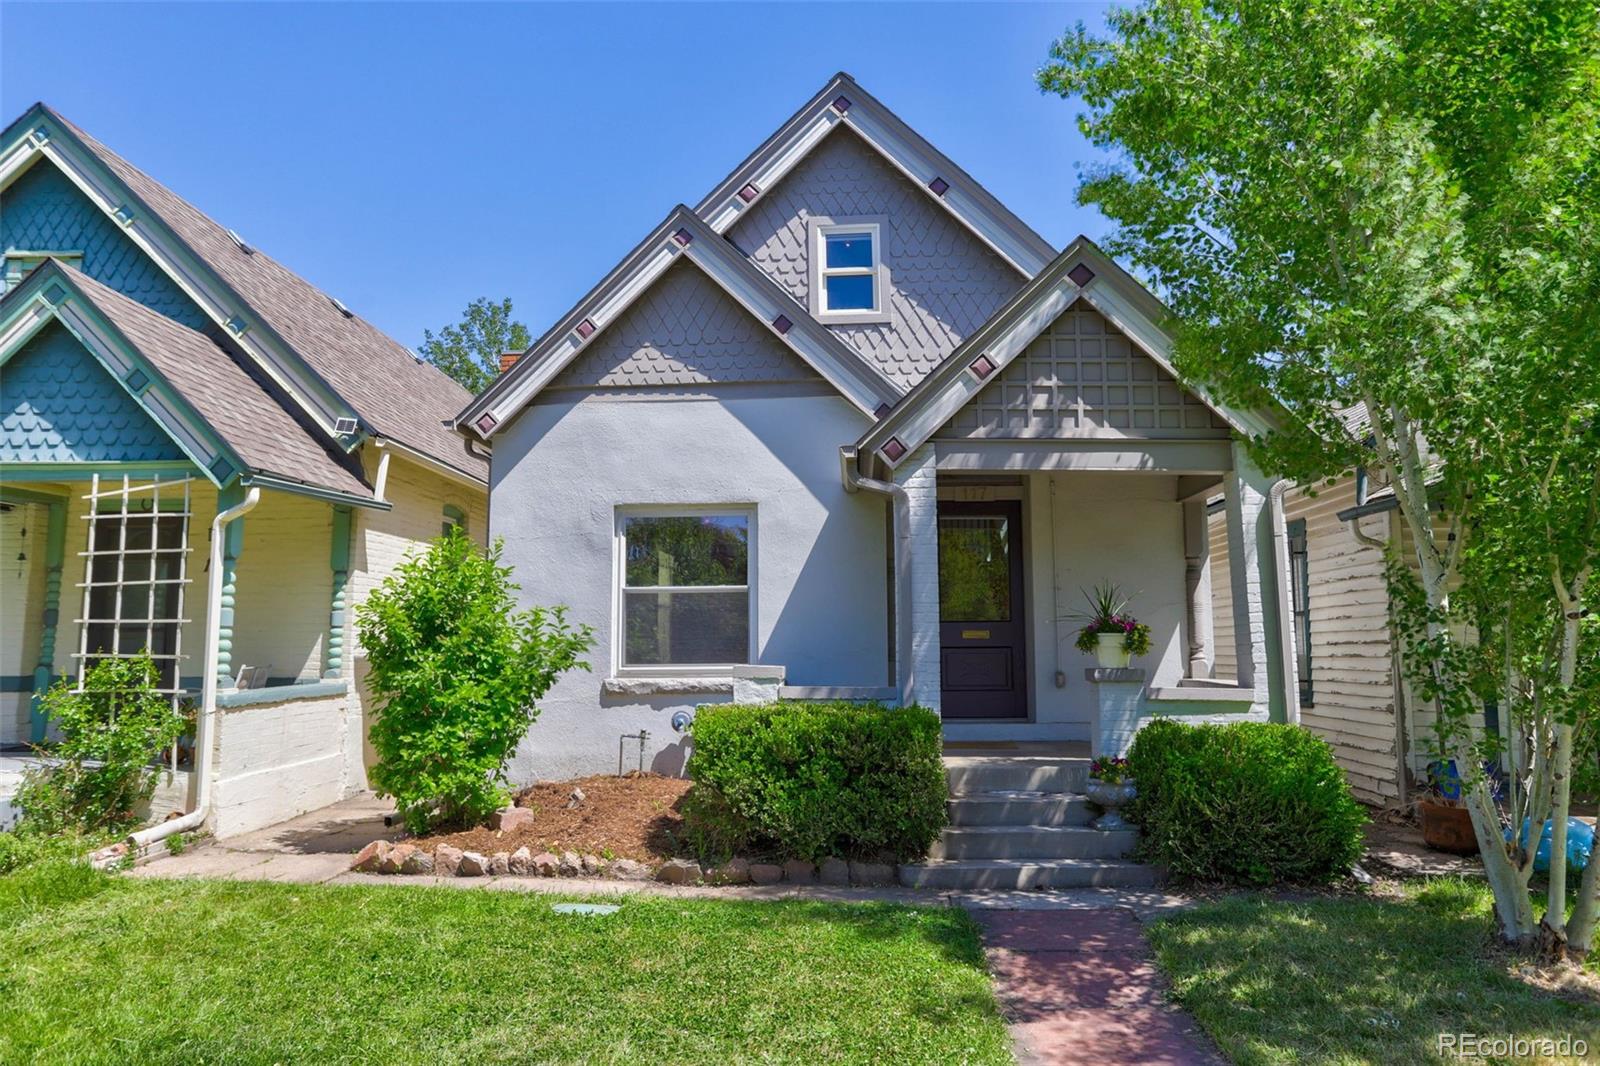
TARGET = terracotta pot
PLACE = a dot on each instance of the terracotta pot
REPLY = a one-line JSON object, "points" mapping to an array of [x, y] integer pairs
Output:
{"points": [[1447, 827], [1111, 650]]}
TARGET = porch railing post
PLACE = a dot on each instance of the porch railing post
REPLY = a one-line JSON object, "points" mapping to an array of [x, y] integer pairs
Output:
{"points": [[339, 560], [54, 554], [1197, 586], [232, 545]]}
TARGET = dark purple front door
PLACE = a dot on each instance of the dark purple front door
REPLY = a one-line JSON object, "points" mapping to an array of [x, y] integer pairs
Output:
{"points": [[982, 639]]}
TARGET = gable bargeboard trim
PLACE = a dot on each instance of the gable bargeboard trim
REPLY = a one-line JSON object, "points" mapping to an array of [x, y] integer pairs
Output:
{"points": [[906, 150], [1111, 291], [49, 295], [681, 235], [40, 135], [55, 293]]}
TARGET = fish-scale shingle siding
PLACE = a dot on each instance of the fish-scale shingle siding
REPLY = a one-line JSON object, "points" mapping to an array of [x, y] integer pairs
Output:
{"points": [[58, 405], [944, 283], [685, 330], [43, 211]]}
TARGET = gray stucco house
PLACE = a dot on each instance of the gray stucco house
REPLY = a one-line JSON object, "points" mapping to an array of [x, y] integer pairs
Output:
{"points": [[848, 427]]}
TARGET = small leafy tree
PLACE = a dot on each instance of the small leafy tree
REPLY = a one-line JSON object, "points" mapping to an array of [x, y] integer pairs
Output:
{"points": [[470, 350], [110, 730], [1392, 205], [456, 669]]}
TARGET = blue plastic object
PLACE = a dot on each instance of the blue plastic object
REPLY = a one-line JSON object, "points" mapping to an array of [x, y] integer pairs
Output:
{"points": [[1580, 844]]}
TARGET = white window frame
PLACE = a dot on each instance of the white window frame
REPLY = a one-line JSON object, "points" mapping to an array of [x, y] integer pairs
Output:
{"points": [[619, 586], [818, 230]]}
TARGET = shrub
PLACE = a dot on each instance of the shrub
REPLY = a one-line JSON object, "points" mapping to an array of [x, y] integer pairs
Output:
{"points": [[100, 770], [1252, 802], [809, 780], [456, 668]]}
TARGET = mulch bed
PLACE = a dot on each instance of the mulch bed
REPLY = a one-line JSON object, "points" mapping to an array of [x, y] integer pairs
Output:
{"points": [[631, 817]]}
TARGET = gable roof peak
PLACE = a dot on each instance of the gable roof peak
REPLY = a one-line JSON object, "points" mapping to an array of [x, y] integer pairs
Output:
{"points": [[940, 177], [683, 234], [334, 366]]}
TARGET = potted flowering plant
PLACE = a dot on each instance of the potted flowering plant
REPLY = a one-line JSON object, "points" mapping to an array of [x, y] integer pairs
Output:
{"points": [[1111, 787], [1112, 634]]}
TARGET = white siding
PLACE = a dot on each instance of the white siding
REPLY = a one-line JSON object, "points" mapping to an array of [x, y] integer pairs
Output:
{"points": [[1353, 696], [1224, 660]]}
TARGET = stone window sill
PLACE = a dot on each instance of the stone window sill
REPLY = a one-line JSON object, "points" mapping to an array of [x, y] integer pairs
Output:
{"points": [[667, 686]]}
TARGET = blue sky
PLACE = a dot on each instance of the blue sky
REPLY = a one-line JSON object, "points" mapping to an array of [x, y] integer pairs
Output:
{"points": [[408, 158]]}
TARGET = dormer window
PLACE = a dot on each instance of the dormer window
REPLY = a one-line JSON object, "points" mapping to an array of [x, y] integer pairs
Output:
{"points": [[848, 276]]}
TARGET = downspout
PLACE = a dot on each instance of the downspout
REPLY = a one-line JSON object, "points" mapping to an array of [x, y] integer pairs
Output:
{"points": [[205, 731], [1280, 562], [380, 483], [854, 482]]}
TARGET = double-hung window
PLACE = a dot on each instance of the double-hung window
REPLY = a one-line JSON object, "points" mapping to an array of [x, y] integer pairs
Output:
{"points": [[847, 271], [685, 587]]}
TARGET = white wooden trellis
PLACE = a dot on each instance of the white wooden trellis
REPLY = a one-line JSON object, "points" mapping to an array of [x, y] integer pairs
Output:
{"points": [[118, 508]]}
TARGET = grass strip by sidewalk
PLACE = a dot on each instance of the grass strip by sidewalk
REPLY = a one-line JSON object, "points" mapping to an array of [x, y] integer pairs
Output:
{"points": [[1346, 980], [104, 969]]}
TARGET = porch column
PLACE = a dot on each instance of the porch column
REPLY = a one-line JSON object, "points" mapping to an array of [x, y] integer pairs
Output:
{"points": [[54, 553], [1255, 585], [232, 545], [1197, 585], [919, 666], [339, 561], [1119, 704]]}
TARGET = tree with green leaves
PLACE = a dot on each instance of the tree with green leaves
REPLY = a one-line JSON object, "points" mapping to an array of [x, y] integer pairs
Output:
{"points": [[1330, 195], [470, 350], [456, 669]]}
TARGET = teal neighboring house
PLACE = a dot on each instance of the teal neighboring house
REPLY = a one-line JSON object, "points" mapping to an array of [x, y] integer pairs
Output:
{"points": [[161, 378]]}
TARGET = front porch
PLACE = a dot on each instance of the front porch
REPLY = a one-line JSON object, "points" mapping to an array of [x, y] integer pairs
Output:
{"points": [[117, 563], [1056, 450], [1012, 552]]}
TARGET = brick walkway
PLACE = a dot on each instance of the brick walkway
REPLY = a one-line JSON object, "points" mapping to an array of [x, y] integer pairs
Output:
{"points": [[1078, 986]]}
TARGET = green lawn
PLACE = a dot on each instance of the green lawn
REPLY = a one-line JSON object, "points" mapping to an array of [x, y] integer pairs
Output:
{"points": [[104, 969], [1357, 980]]}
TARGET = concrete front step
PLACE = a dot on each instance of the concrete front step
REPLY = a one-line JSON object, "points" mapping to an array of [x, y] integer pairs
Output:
{"points": [[974, 875], [1020, 808], [1029, 843], [971, 775]]}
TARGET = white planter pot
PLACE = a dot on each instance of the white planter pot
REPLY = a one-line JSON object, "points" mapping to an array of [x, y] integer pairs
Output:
{"points": [[1113, 798], [1111, 651]]}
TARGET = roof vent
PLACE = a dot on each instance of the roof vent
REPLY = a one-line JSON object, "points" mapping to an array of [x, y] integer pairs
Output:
{"points": [[344, 425], [340, 307], [243, 247]]}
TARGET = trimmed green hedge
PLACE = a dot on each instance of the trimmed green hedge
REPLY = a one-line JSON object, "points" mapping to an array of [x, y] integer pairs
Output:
{"points": [[808, 780], [1253, 802]]}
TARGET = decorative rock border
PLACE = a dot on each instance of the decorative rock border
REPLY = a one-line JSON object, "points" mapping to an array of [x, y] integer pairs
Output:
{"points": [[382, 857]]}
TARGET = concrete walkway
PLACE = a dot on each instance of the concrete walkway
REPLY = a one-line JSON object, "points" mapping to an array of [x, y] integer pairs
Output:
{"points": [[1071, 968]]}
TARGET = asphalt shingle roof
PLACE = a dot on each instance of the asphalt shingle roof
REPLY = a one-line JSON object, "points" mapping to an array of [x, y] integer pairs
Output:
{"points": [[398, 395], [222, 391]]}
